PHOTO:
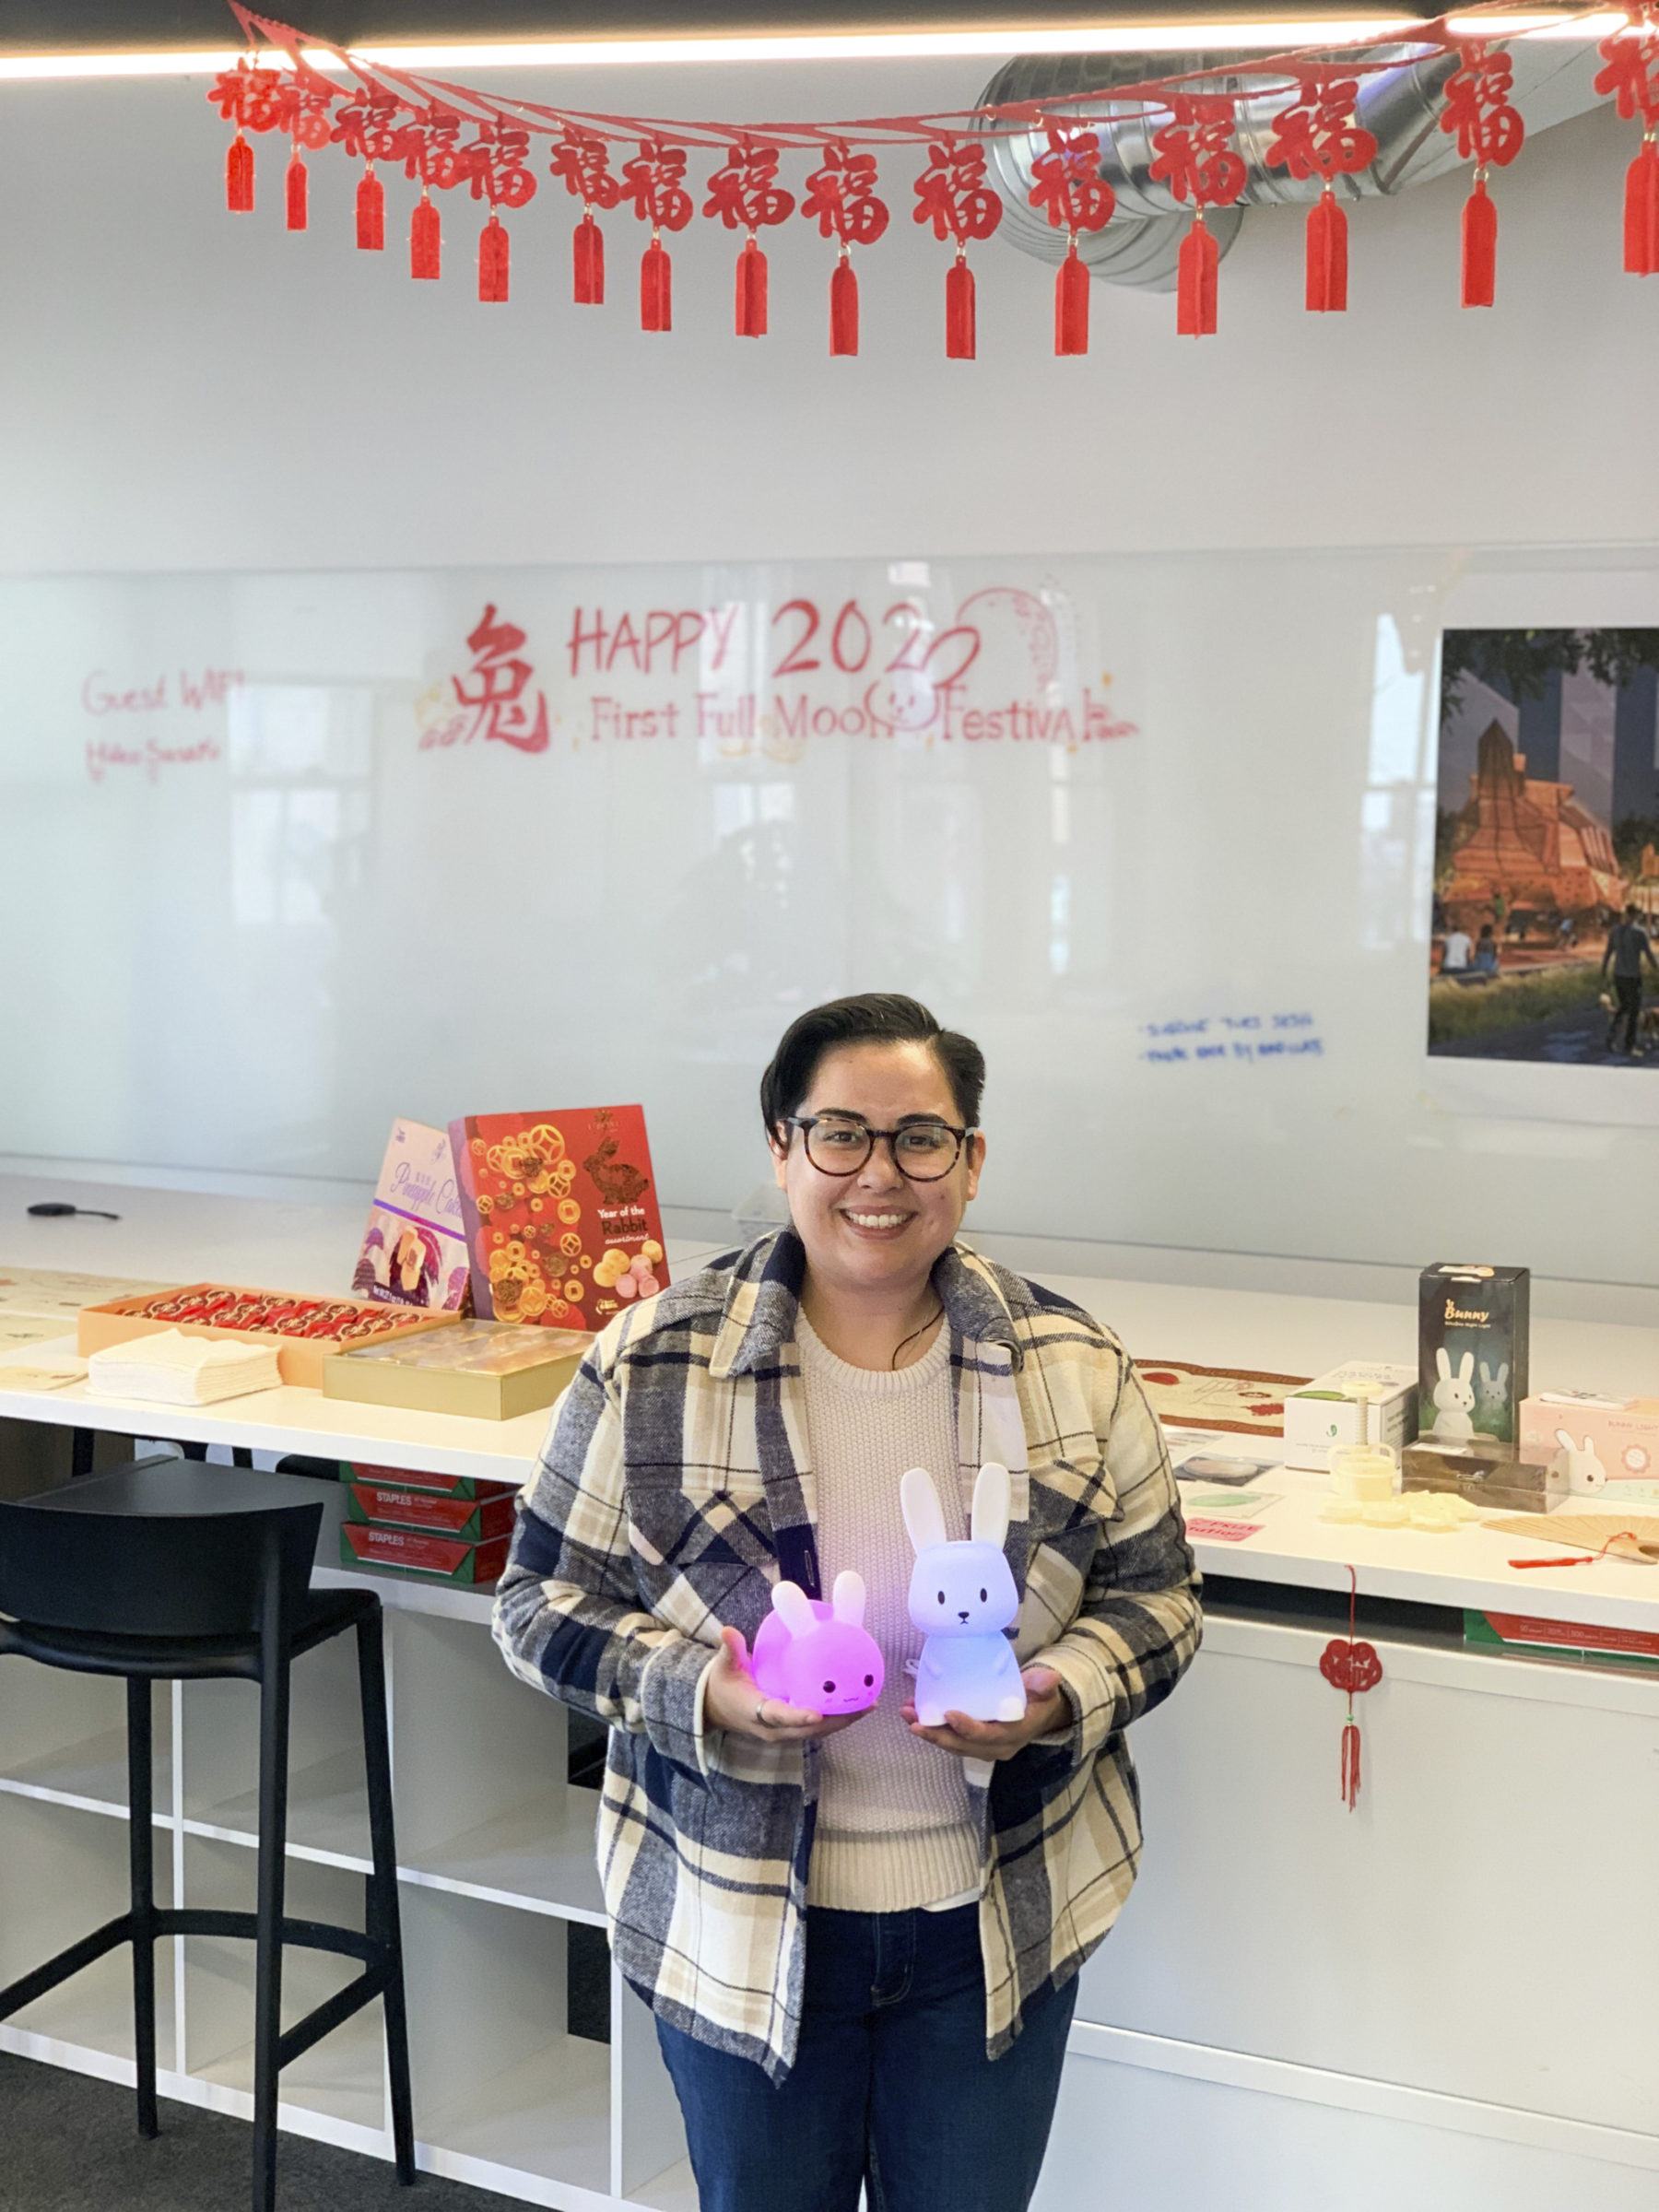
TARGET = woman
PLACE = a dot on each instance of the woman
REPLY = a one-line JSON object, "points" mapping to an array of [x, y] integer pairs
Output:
{"points": [[862, 1961]]}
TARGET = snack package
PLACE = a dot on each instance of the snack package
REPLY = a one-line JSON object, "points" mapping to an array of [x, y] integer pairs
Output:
{"points": [[562, 1223], [414, 1250]]}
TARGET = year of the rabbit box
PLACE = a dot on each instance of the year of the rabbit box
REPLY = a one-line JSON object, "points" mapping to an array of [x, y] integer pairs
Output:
{"points": [[1472, 1327]]}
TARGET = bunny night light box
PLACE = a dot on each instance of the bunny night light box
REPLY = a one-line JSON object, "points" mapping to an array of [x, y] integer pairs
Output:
{"points": [[962, 1597], [815, 1656]]}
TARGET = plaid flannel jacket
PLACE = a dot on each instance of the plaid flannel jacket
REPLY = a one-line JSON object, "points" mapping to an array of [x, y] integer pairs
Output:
{"points": [[677, 1468]]}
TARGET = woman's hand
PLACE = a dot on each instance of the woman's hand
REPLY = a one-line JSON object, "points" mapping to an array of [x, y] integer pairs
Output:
{"points": [[731, 1701], [1048, 1710]]}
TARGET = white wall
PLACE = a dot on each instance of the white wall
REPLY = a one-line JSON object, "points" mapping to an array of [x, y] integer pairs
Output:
{"points": [[179, 388]]}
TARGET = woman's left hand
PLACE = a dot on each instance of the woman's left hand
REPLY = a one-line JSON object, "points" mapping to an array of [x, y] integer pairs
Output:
{"points": [[1048, 1710]]}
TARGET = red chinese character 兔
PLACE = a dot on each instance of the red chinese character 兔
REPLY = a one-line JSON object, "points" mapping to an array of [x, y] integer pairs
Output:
{"points": [[746, 193], [953, 196], [1632, 75], [840, 198], [583, 162], [1317, 136], [1193, 156], [654, 181], [499, 684], [1067, 182], [1477, 107]]}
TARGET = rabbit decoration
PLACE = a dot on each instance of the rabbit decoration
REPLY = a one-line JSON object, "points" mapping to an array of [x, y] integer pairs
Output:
{"points": [[1585, 1473], [962, 1597], [1492, 1393], [1453, 1398], [819, 1657]]}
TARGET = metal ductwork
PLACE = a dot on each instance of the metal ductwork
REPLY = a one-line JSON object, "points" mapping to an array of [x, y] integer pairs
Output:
{"points": [[1400, 105]]}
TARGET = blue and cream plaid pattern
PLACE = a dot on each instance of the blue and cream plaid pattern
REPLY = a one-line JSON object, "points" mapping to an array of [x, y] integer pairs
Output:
{"points": [[676, 1467]]}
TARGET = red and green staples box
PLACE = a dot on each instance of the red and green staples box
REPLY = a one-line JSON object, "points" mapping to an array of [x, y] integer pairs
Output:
{"points": [[442, 1485], [472, 1521], [416, 1551]]}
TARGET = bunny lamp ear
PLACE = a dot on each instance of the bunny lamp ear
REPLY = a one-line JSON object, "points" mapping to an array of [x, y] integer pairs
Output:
{"points": [[794, 1608], [1586, 1448], [1486, 1374], [1503, 1374], [923, 1515], [1442, 1362], [1565, 1442], [992, 1504], [847, 1598], [1466, 1367]]}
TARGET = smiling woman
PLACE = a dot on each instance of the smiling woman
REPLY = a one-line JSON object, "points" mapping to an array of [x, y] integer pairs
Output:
{"points": [[860, 1936]]}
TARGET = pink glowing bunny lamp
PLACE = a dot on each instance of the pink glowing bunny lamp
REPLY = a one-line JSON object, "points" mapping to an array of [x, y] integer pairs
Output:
{"points": [[817, 1657]]}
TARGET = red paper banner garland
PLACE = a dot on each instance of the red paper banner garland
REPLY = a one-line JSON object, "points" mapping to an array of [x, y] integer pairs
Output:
{"points": [[388, 118]]}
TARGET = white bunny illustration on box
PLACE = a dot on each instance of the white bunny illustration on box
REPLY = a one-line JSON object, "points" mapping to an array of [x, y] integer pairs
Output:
{"points": [[1455, 1398], [1585, 1473]]}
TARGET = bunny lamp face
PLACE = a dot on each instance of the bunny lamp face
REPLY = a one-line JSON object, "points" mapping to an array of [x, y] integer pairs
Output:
{"points": [[819, 1657], [962, 1589]]}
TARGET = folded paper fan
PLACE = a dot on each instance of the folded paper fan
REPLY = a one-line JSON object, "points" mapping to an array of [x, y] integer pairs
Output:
{"points": [[1618, 1535]]}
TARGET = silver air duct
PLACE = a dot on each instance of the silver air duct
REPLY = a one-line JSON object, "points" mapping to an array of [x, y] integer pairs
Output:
{"points": [[1401, 106]]}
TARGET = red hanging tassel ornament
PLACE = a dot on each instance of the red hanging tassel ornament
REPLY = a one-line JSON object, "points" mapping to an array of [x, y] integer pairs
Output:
{"points": [[588, 260], [296, 182], [1195, 281], [656, 287], [371, 212], [1327, 256], [492, 261], [961, 315], [1353, 1668], [843, 306], [751, 290], [1642, 212], [1071, 303], [1479, 245], [239, 176], [426, 239]]}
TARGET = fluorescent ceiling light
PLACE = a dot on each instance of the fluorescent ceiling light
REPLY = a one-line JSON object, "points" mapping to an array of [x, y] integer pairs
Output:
{"points": [[574, 53]]}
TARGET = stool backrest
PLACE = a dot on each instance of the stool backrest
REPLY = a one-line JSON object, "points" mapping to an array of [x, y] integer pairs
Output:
{"points": [[161, 1548]]}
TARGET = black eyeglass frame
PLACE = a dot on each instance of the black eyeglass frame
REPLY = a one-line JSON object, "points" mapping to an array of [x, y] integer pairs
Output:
{"points": [[806, 1122]]}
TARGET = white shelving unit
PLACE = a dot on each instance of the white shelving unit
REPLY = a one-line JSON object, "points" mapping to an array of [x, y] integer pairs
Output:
{"points": [[496, 1853]]}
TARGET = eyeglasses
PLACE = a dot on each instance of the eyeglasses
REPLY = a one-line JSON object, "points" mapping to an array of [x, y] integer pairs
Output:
{"points": [[924, 1150]]}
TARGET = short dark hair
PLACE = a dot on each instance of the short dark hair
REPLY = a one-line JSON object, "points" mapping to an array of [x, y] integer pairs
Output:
{"points": [[873, 1018], [1633, 908]]}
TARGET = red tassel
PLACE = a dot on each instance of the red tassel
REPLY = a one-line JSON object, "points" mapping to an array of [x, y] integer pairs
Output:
{"points": [[1350, 1765], [751, 292], [425, 240], [1327, 256], [239, 176], [492, 261], [844, 308], [296, 192], [1071, 305], [588, 256], [1196, 283], [1479, 246], [1641, 213], [371, 212], [656, 288], [961, 325]]}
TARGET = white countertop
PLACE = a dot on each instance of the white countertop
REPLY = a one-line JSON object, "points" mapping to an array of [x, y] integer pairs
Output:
{"points": [[189, 1236]]}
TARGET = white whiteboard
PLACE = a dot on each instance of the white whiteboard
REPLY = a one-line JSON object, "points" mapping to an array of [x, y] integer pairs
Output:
{"points": [[267, 877]]}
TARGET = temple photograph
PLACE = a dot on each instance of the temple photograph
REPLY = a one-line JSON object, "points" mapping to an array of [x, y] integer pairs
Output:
{"points": [[1545, 943]]}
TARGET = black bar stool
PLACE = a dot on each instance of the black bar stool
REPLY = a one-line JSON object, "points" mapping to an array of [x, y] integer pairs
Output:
{"points": [[166, 1570]]}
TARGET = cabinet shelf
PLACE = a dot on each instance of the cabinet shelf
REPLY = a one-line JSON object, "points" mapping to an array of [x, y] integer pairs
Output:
{"points": [[521, 1858], [548, 2116]]}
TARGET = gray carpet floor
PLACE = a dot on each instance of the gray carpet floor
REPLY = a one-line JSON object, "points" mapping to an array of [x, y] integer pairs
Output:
{"points": [[70, 2144]]}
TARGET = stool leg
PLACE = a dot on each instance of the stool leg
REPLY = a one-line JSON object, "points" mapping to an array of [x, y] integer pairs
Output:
{"points": [[382, 1918], [267, 1978], [141, 1844]]}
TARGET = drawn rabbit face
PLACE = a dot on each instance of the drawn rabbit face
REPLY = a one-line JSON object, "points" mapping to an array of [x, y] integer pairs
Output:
{"points": [[966, 1588], [1585, 1473], [819, 1657], [1492, 1389]]}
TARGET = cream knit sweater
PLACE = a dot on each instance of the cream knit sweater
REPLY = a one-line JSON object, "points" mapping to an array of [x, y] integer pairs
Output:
{"points": [[893, 1829]]}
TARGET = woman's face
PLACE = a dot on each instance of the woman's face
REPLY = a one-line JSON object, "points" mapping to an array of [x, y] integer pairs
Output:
{"points": [[876, 1229]]}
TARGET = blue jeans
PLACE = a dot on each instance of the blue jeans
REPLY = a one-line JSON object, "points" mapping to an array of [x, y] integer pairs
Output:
{"points": [[890, 2087]]}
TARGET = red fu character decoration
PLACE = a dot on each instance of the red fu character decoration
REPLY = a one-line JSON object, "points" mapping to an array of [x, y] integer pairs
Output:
{"points": [[1319, 137], [583, 161], [840, 198], [654, 182], [1488, 131], [366, 128], [1197, 161], [496, 164], [1631, 76], [1353, 1668], [247, 96], [1067, 184], [427, 146], [746, 195], [952, 194]]}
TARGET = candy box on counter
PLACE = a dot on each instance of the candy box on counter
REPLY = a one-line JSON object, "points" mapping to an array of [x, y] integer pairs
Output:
{"points": [[1611, 1445], [1474, 1328], [1486, 1474], [305, 1331], [473, 1521], [442, 1485], [492, 1371], [415, 1551]]}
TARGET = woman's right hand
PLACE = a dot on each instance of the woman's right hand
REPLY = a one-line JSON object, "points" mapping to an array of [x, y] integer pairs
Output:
{"points": [[731, 1701]]}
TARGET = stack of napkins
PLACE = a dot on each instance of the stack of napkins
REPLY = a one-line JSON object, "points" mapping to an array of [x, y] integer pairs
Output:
{"points": [[172, 1369]]}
